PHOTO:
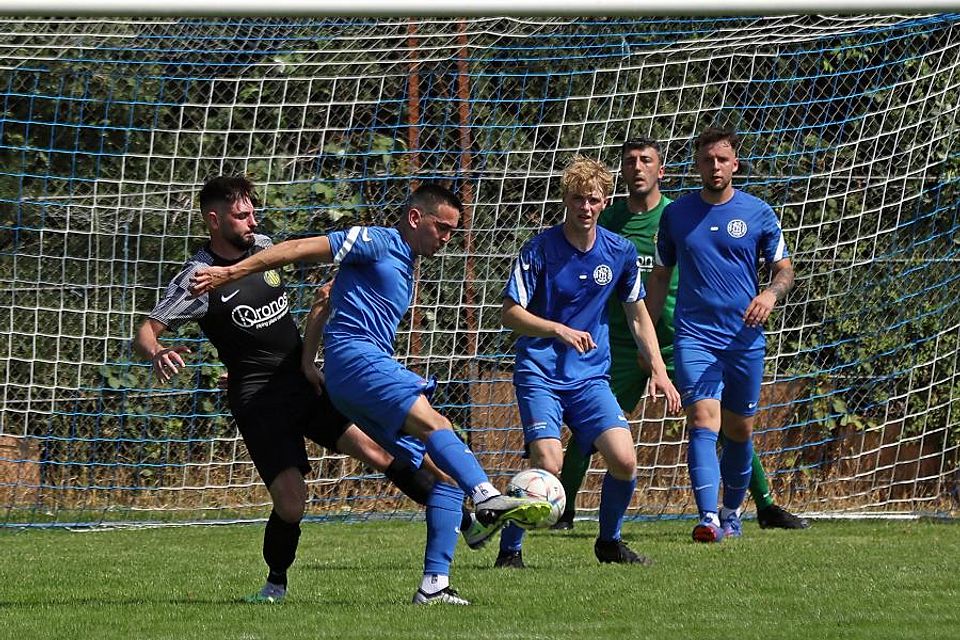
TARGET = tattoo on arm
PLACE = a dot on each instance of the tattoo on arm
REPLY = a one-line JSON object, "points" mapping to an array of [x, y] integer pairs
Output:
{"points": [[782, 282]]}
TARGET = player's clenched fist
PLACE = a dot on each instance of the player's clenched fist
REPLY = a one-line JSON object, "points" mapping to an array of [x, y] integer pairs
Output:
{"points": [[208, 279]]}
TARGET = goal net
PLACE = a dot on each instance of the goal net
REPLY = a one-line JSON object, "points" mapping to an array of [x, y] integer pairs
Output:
{"points": [[110, 126]]}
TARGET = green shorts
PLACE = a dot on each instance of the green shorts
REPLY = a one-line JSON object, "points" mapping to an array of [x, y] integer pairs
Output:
{"points": [[627, 380]]}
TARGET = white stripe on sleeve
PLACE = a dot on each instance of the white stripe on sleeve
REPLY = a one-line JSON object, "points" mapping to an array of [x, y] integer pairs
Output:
{"points": [[781, 249], [521, 288], [657, 260], [635, 291], [348, 243]]}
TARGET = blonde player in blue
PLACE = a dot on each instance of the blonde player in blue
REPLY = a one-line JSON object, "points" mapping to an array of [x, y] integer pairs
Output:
{"points": [[717, 238], [372, 292], [556, 300]]}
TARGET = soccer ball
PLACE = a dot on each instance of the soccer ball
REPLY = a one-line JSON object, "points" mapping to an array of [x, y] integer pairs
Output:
{"points": [[540, 485]]}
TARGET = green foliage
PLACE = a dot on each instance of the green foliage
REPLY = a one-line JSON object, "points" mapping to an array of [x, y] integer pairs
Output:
{"points": [[848, 134]]}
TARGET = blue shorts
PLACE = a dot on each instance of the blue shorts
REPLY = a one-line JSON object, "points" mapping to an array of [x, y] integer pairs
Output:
{"points": [[732, 377], [376, 392], [588, 411]]}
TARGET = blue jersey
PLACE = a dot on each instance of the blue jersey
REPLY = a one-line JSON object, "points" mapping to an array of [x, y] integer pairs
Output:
{"points": [[555, 281], [717, 249], [373, 288]]}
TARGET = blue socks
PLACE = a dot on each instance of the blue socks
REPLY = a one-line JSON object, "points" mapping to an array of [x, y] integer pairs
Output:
{"points": [[736, 467], [511, 537], [704, 469], [614, 500], [455, 459], [444, 508]]}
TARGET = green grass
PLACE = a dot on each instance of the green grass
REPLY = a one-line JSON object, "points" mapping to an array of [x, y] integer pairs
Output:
{"points": [[863, 579]]}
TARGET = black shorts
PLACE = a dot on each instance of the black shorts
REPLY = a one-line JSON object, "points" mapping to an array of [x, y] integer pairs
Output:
{"points": [[276, 418]]}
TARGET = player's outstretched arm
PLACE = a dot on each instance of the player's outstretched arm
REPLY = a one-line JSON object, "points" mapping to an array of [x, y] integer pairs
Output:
{"points": [[166, 360], [781, 281], [315, 249], [515, 317], [657, 285], [645, 335]]}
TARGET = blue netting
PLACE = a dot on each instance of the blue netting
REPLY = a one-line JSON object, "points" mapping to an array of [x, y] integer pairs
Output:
{"points": [[109, 127]]}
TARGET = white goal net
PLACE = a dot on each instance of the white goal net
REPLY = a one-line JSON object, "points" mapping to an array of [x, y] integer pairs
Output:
{"points": [[110, 126]]}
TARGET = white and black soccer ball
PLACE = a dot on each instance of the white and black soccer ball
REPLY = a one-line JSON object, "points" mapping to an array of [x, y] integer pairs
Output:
{"points": [[539, 485]]}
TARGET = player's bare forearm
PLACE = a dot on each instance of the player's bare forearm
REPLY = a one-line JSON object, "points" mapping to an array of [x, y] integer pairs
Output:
{"points": [[320, 308], [760, 307], [782, 279], [645, 335], [311, 339], [166, 361], [657, 285], [515, 317], [146, 343], [316, 319], [315, 249]]}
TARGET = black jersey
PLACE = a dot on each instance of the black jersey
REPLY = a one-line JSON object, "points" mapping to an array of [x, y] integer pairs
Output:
{"points": [[248, 321]]}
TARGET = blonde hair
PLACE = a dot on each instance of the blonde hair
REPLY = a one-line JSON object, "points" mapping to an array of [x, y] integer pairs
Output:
{"points": [[583, 175]]}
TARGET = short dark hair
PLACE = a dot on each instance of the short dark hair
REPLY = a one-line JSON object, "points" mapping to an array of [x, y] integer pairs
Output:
{"points": [[712, 135], [431, 195], [636, 144], [226, 189]]}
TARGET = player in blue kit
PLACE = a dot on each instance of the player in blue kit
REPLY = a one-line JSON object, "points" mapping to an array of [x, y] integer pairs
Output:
{"points": [[372, 292], [271, 400], [717, 238], [556, 299]]}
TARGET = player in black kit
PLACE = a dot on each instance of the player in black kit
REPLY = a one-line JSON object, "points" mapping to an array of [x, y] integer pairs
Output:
{"points": [[273, 403]]}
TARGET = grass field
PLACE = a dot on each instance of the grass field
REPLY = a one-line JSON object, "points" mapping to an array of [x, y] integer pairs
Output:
{"points": [[859, 579]]}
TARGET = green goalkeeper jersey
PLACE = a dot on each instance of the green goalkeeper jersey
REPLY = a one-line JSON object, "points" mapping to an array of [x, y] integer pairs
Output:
{"points": [[641, 230]]}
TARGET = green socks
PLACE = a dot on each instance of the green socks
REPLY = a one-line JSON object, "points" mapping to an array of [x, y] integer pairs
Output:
{"points": [[759, 488], [575, 466]]}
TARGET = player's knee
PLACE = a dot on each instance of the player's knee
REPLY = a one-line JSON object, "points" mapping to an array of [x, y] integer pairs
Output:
{"points": [[439, 422], [738, 433], [705, 413], [289, 494], [703, 419], [546, 455], [552, 466], [433, 423], [423, 420], [289, 509], [736, 427], [622, 467]]}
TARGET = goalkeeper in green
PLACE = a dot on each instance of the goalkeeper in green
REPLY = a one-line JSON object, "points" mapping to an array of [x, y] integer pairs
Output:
{"points": [[637, 218]]}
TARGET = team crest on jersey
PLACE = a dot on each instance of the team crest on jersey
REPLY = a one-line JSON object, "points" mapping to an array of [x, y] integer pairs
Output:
{"points": [[602, 275], [272, 278], [737, 228]]}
